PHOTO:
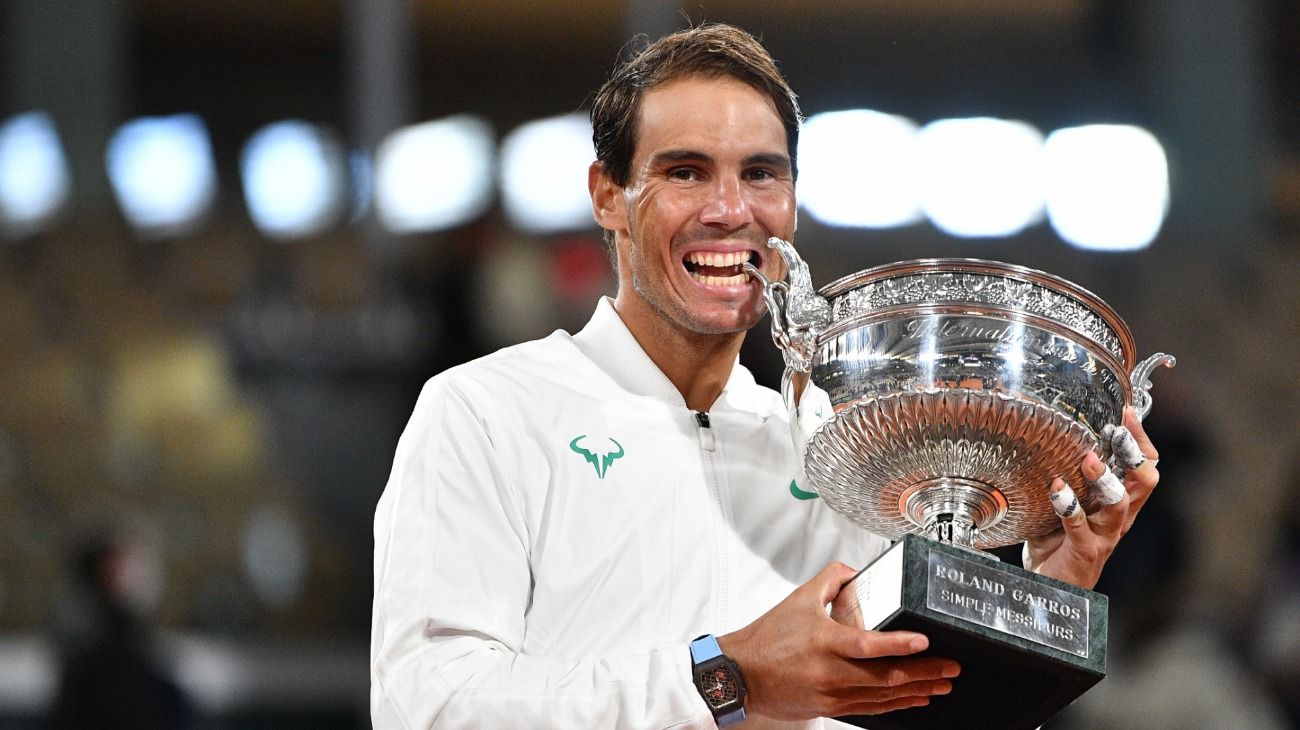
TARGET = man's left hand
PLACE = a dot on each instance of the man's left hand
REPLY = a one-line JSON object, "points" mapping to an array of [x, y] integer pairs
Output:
{"points": [[1076, 552]]}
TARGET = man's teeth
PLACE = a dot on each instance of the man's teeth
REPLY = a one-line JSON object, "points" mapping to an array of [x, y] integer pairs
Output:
{"points": [[714, 260], [710, 258], [736, 280]]}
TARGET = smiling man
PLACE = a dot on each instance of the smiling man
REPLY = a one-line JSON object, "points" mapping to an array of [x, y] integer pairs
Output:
{"points": [[604, 530], [710, 180]]}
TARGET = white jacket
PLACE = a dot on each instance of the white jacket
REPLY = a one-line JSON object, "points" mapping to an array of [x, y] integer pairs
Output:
{"points": [[558, 526]]}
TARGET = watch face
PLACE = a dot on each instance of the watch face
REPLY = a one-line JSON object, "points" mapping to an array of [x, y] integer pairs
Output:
{"points": [[718, 684]]}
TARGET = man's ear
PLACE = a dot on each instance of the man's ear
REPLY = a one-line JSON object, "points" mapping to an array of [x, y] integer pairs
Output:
{"points": [[607, 204]]}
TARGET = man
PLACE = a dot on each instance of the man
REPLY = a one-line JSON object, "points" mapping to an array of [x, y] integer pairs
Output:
{"points": [[565, 516]]}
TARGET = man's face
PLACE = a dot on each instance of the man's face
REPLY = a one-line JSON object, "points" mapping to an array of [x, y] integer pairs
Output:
{"points": [[710, 181]]}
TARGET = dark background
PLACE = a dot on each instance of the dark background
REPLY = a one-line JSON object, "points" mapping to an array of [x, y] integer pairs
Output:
{"points": [[226, 400]]}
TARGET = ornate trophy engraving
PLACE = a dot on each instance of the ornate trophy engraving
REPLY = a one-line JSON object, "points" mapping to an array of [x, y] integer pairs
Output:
{"points": [[933, 402]]}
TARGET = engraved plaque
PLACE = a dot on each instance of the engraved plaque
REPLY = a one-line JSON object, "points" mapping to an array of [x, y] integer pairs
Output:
{"points": [[1023, 651], [1004, 601]]}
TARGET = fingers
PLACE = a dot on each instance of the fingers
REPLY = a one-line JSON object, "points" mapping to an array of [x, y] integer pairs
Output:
{"points": [[1108, 487], [1131, 448], [886, 675], [897, 673], [915, 694], [1111, 492], [1074, 520], [855, 643], [873, 681], [1139, 434], [1141, 479], [1064, 502], [1124, 449], [1128, 446], [884, 660]]}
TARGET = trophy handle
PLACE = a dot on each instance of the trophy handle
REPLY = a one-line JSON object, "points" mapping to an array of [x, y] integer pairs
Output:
{"points": [[1141, 380], [799, 314]]}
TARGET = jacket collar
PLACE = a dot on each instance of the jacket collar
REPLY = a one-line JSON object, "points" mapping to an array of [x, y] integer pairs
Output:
{"points": [[607, 341]]}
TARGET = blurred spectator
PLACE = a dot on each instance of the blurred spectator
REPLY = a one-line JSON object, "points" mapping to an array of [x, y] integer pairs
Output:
{"points": [[111, 676]]}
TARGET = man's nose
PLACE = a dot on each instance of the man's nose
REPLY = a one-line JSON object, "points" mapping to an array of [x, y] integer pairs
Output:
{"points": [[728, 205]]}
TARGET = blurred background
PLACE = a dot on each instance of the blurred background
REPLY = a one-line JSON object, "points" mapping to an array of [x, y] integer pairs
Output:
{"points": [[236, 237]]}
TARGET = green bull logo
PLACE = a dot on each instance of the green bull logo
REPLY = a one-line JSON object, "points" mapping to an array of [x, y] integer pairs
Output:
{"points": [[600, 461]]}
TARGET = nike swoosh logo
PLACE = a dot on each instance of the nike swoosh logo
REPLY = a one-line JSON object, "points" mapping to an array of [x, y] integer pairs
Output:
{"points": [[798, 493]]}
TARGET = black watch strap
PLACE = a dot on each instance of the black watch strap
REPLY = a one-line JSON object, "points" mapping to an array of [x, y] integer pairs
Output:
{"points": [[718, 680]]}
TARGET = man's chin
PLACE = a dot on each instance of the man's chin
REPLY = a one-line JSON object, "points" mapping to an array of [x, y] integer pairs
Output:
{"points": [[732, 323]]}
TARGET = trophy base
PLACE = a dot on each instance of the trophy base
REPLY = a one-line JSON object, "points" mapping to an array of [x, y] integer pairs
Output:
{"points": [[1028, 645]]}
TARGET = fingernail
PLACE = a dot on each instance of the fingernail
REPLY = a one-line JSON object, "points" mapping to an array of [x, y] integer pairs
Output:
{"points": [[951, 670], [1064, 503], [1092, 467], [919, 643], [1110, 489], [941, 688]]}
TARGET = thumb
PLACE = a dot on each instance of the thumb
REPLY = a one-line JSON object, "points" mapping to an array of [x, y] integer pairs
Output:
{"points": [[830, 581]]}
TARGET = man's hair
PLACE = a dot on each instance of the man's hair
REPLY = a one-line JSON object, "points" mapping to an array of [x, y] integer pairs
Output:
{"points": [[710, 51]]}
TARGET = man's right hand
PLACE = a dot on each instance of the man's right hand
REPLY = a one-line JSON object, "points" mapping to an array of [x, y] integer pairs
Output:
{"points": [[799, 663]]}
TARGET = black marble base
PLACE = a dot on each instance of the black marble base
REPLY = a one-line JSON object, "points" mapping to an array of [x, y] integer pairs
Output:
{"points": [[1028, 645]]}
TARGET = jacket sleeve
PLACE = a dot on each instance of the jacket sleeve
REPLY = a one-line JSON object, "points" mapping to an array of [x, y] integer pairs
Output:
{"points": [[452, 589]]}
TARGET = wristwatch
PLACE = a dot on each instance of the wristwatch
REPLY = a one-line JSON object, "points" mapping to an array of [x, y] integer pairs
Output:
{"points": [[718, 680]]}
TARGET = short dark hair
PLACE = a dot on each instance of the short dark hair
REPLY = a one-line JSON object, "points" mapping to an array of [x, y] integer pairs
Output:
{"points": [[711, 50]]}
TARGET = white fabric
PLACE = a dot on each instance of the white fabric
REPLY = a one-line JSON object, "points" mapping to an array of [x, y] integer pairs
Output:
{"points": [[517, 587]]}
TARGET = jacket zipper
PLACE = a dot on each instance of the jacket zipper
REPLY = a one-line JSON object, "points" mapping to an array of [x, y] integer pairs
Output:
{"points": [[706, 432], [708, 446]]}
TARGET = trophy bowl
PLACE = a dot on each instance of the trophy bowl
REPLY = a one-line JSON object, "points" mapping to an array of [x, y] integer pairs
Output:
{"points": [[941, 397]]}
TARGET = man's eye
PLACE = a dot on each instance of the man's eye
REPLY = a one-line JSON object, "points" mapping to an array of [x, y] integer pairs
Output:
{"points": [[683, 173], [761, 174]]}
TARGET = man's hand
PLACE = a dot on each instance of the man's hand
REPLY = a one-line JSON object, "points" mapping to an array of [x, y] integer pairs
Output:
{"points": [[799, 663], [1076, 552]]}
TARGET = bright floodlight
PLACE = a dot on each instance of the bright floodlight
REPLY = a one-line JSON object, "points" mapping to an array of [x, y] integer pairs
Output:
{"points": [[162, 172], [859, 168], [981, 177], [544, 174], [434, 175], [33, 173], [1107, 186], [294, 177]]}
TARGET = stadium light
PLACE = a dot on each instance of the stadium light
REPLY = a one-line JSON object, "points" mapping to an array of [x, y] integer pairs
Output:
{"points": [[162, 173], [34, 177], [981, 177], [544, 174], [1107, 186], [435, 175], [859, 168], [295, 177]]}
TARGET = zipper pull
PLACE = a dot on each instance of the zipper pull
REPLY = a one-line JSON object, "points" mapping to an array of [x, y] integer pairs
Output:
{"points": [[706, 433]]}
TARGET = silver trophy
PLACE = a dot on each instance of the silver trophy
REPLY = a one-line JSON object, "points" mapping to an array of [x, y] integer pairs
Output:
{"points": [[942, 396], [933, 402]]}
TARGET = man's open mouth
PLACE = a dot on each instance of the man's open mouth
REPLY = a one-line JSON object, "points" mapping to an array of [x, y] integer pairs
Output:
{"points": [[719, 269]]}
